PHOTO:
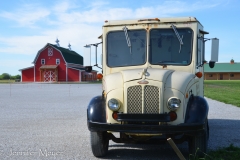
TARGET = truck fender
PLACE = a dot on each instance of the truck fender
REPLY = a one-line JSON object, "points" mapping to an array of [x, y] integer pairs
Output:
{"points": [[96, 110], [197, 110]]}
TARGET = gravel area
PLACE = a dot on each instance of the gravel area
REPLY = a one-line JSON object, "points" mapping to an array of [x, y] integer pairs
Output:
{"points": [[48, 121]]}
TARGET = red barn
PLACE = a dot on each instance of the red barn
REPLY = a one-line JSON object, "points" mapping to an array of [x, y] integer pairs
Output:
{"points": [[57, 64]]}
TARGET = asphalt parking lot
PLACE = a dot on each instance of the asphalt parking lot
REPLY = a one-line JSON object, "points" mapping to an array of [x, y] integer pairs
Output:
{"points": [[48, 121]]}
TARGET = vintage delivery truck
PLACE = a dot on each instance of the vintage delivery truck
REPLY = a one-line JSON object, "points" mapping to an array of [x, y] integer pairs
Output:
{"points": [[152, 84]]}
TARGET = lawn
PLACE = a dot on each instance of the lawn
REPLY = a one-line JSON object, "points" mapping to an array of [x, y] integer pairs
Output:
{"points": [[227, 92], [227, 153], [7, 81], [224, 91]]}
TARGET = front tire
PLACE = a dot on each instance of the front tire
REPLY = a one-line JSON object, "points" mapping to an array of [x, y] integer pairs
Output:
{"points": [[198, 144], [99, 143]]}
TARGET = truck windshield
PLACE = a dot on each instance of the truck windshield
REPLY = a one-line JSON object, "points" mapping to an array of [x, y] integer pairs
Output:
{"points": [[118, 54], [164, 47]]}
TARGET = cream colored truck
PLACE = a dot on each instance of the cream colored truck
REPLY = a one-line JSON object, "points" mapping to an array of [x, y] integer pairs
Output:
{"points": [[152, 84]]}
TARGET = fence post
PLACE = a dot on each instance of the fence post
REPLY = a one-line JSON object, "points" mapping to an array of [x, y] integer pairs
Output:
{"points": [[175, 148]]}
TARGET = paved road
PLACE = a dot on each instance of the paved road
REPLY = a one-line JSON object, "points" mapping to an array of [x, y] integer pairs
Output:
{"points": [[48, 121]]}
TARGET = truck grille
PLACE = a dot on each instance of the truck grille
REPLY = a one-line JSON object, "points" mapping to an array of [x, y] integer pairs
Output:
{"points": [[151, 99], [135, 99]]}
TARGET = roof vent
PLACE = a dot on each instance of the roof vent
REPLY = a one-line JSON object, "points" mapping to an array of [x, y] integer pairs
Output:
{"points": [[69, 46], [57, 41]]}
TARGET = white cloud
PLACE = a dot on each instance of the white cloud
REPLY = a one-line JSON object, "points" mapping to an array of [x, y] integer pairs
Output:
{"points": [[27, 16], [100, 11], [97, 4], [26, 45], [14, 63], [79, 27]]}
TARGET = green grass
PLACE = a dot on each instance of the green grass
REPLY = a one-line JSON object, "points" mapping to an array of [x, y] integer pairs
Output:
{"points": [[227, 153], [224, 91], [7, 81], [227, 92]]}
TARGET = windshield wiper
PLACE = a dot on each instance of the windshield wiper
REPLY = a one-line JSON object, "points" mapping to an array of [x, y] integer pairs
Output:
{"points": [[178, 36], [128, 39]]}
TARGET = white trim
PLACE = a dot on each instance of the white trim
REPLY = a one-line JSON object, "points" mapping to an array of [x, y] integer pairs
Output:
{"points": [[43, 60], [80, 71], [25, 68], [48, 44], [76, 68], [57, 60], [21, 75], [66, 72], [34, 74], [80, 76]]}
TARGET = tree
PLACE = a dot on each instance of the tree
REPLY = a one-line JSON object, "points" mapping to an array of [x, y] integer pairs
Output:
{"points": [[5, 76], [16, 77]]}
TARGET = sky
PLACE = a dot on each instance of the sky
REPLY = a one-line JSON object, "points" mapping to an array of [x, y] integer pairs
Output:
{"points": [[28, 25]]}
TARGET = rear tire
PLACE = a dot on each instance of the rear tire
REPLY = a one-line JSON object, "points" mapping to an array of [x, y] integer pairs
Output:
{"points": [[198, 144], [99, 143]]}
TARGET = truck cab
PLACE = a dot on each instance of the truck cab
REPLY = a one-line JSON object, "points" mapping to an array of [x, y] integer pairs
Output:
{"points": [[152, 84]]}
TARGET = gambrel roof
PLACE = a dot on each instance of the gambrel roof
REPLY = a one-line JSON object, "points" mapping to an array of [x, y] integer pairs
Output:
{"points": [[68, 55], [222, 67]]}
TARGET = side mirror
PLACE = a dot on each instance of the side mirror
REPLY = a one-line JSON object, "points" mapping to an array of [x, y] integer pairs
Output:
{"points": [[211, 64], [214, 51], [88, 68]]}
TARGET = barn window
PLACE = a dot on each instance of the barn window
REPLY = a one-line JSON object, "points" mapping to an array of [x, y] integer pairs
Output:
{"points": [[42, 61], [231, 75], [57, 61], [50, 51], [210, 75]]}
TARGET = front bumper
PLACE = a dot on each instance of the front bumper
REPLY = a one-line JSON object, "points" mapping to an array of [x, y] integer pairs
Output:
{"points": [[188, 129]]}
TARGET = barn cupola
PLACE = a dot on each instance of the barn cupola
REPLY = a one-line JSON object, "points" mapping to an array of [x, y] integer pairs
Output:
{"points": [[69, 46], [57, 41], [232, 61]]}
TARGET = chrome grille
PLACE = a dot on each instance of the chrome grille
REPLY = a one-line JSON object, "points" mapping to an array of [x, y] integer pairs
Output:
{"points": [[151, 99], [134, 99], [135, 96]]}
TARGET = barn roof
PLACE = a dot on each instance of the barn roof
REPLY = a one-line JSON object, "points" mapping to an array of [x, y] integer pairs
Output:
{"points": [[222, 67], [69, 56], [26, 68]]}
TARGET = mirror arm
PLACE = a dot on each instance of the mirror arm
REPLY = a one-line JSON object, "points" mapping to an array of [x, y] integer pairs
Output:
{"points": [[96, 65], [206, 39], [200, 65]]}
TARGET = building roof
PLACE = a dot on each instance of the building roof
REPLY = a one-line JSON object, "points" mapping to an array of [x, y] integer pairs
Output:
{"points": [[69, 56], [48, 66], [26, 68], [82, 69], [222, 67]]}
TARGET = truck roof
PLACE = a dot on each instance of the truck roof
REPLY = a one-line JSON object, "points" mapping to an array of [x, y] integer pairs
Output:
{"points": [[150, 20]]}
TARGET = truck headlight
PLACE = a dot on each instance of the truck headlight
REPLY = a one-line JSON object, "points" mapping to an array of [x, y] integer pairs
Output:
{"points": [[173, 103], [113, 104]]}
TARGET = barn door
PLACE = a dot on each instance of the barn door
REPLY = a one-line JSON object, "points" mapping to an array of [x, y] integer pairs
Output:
{"points": [[49, 76]]}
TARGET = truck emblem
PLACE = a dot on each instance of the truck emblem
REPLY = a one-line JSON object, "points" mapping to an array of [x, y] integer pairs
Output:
{"points": [[143, 82]]}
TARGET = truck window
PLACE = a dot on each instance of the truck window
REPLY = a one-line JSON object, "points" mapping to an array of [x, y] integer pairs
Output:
{"points": [[165, 47], [118, 52], [200, 54]]}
